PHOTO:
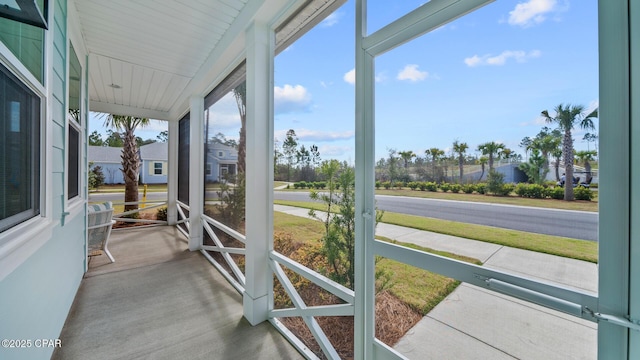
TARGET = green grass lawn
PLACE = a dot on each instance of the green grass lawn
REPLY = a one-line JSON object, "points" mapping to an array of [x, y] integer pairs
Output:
{"points": [[419, 288], [554, 245]]}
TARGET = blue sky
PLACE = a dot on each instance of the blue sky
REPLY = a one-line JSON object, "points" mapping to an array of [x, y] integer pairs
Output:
{"points": [[484, 77]]}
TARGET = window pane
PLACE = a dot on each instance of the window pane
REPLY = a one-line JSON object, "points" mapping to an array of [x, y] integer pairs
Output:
{"points": [[75, 81], [26, 42], [19, 151], [73, 183], [183, 160]]}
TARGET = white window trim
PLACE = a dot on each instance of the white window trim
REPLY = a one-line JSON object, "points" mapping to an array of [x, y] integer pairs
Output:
{"points": [[220, 154], [74, 206], [208, 169], [161, 168], [18, 243]]}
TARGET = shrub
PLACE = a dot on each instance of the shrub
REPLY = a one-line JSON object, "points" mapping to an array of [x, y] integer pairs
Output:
{"points": [[161, 214], [481, 188], [468, 188], [422, 186], [378, 184], [505, 189], [445, 187], [455, 188], [556, 193], [495, 180], [399, 185], [581, 193], [387, 185], [413, 185], [319, 185], [530, 191], [431, 186]]}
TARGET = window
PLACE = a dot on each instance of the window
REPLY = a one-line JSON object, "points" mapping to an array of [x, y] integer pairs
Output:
{"points": [[26, 42], [157, 168], [207, 169], [183, 159], [220, 153], [74, 119], [19, 151]]}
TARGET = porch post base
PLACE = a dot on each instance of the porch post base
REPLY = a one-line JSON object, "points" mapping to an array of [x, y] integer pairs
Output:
{"points": [[255, 310]]}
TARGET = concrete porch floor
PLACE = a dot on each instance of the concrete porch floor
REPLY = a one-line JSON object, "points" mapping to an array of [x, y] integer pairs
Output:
{"points": [[161, 301]]}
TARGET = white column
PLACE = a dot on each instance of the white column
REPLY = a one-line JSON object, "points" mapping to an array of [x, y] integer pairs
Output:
{"points": [[172, 176], [196, 171], [259, 173], [364, 317]]}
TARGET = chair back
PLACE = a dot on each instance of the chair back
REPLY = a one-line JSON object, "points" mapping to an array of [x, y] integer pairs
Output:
{"points": [[99, 224]]}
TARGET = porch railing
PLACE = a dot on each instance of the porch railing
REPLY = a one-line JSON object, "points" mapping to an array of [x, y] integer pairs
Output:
{"points": [[125, 216], [277, 261]]}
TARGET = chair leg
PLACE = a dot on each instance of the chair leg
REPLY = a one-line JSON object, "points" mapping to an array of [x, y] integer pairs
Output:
{"points": [[106, 251]]}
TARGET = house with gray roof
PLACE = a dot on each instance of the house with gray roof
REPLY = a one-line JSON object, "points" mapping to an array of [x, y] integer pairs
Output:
{"points": [[221, 159], [153, 167], [108, 158]]}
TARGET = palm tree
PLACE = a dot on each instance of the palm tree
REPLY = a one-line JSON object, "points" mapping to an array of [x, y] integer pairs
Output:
{"points": [[483, 161], [493, 150], [546, 144], [566, 118], [130, 159], [406, 156], [585, 157], [436, 154], [460, 149]]}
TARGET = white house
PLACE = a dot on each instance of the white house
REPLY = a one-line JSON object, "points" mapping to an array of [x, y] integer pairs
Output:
{"points": [[165, 59]]}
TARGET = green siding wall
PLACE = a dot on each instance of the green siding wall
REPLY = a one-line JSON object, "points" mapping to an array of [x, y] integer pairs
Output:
{"points": [[36, 297]]}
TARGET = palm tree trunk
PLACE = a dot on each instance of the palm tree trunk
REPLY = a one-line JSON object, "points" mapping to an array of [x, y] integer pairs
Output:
{"points": [[130, 170], [461, 166], [567, 153]]}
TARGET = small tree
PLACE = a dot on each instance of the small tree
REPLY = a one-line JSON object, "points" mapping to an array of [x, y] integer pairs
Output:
{"points": [[534, 168], [96, 176], [338, 242], [289, 148]]}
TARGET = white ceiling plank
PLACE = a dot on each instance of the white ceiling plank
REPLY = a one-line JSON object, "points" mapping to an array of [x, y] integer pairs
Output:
{"points": [[161, 52]]}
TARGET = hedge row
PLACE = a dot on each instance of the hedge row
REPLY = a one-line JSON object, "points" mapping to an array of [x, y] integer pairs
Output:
{"points": [[533, 191]]}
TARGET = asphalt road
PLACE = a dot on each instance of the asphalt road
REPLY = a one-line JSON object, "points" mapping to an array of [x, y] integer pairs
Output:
{"points": [[573, 224]]}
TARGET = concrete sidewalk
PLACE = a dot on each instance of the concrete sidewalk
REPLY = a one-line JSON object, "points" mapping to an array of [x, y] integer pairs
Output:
{"points": [[475, 323]]}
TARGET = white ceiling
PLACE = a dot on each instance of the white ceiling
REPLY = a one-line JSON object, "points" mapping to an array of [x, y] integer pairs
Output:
{"points": [[147, 57]]}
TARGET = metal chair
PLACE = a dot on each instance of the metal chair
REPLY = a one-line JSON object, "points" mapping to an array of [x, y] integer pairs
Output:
{"points": [[99, 228]]}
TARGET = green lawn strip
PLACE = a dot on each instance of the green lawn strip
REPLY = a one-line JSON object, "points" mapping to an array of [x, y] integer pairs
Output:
{"points": [[507, 200], [419, 288], [554, 245], [279, 183], [301, 229]]}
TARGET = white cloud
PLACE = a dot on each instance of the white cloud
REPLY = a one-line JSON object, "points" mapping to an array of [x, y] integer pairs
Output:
{"points": [[531, 12], [331, 19], [499, 60], [411, 73], [350, 76], [290, 98], [316, 135]]}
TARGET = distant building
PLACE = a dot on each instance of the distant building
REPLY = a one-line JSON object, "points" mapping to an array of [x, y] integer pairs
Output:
{"points": [[153, 168], [108, 158], [221, 159]]}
